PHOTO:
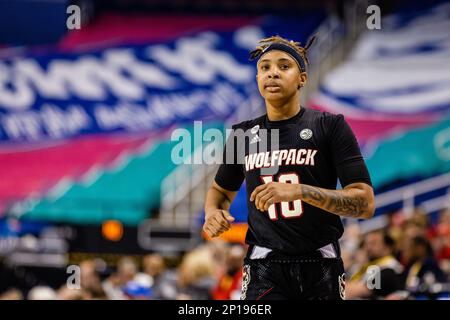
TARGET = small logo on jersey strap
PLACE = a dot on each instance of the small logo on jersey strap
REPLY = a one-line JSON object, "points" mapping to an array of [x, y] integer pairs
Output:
{"points": [[342, 286], [255, 129], [245, 281], [305, 134]]}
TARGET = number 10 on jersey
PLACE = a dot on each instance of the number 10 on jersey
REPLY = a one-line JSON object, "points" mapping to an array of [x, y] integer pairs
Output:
{"points": [[289, 210]]}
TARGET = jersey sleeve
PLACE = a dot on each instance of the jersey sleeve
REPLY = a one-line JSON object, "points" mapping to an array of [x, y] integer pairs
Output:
{"points": [[346, 154], [230, 174]]}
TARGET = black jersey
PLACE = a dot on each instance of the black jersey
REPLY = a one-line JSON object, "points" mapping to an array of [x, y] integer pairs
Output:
{"points": [[314, 148]]}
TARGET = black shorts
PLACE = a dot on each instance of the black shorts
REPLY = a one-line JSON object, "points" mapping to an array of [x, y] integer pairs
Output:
{"points": [[303, 279]]}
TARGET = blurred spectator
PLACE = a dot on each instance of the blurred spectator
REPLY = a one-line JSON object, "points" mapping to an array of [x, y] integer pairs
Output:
{"points": [[193, 279], [411, 229], [353, 256], [423, 270], [126, 270], [440, 235], [138, 289], [354, 261], [154, 265], [90, 280], [351, 238], [229, 284], [11, 294], [65, 293], [196, 275], [219, 250], [122, 284], [371, 283], [41, 293]]}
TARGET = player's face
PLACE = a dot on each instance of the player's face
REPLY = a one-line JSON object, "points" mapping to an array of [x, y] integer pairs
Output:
{"points": [[278, 76]]}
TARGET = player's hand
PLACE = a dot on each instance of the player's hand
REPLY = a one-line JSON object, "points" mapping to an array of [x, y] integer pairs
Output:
{"points": [[217, 221], [273, 192]]}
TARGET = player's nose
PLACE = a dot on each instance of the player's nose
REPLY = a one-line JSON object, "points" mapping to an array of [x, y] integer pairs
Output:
{"points": [[274, 75]]}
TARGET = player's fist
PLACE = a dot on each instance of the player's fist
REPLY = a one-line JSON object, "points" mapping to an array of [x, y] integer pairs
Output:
{"points": [[273, 192], [217, 221]]}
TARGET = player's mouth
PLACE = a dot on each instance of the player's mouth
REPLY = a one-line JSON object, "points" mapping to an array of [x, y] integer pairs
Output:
{"points": [[272, 86]]}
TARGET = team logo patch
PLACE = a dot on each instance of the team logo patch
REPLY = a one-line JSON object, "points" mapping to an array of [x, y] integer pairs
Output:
{"points": [[342, 286], [245, 281], [305, 134]]}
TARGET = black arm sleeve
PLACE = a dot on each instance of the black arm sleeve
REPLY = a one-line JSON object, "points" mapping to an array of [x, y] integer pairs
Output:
{"points": [[231, 173], [346, 155]]}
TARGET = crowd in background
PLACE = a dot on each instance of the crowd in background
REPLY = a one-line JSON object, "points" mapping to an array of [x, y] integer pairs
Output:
{"points": [[411, 255], [411, 258], [210, 271]]}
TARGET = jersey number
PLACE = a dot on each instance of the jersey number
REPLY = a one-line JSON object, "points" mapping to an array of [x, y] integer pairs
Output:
{"points": [[289, 210]]}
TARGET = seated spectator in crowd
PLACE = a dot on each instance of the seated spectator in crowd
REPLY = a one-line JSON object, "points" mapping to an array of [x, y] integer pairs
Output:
{"points": [[11, 294], [230, 282], [41, 293], [219, 249], [90, 281], [66, 293], [139, 289], [379, 277], [154, 265], [423, 269], [440, 238], [193, 279], [127, 269], [411, 228], [354, 261]]}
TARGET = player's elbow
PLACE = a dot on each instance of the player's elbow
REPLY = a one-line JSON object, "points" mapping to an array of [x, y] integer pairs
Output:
{"points": [[365, 199], [370, 208], [368, 213]]}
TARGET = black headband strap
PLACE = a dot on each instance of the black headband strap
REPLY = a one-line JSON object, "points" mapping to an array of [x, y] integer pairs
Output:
{"points": [[288, 49]]}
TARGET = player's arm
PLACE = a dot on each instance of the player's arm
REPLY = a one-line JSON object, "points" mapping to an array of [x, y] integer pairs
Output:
{"points": [[226, 184], [217, 203], [356, 200]]}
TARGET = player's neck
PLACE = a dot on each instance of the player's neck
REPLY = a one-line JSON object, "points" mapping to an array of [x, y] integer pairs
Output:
{"points": [[281, 111]]}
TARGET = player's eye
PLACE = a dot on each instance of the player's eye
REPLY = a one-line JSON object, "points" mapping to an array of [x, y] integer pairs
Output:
{"points": [[265, 67], [284, 67]]}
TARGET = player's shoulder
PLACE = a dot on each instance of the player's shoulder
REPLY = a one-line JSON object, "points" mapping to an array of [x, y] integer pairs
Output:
{"points": [[312, 116], [319, 115], [325, 121], [248, 124]]}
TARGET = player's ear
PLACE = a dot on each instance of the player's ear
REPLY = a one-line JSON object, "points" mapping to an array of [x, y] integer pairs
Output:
{"points": [[302, 79]]}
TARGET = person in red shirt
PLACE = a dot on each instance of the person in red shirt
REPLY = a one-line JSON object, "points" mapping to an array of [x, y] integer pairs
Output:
{"points": [[229, 285]]}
